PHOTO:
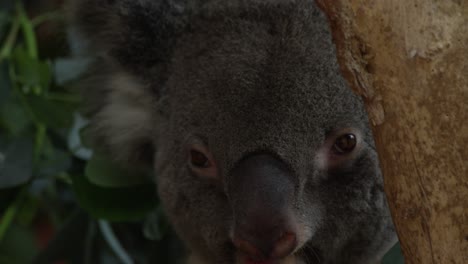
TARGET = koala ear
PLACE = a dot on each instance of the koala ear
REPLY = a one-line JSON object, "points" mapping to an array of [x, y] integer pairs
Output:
{"points": [[133, 41], [139, 34]]}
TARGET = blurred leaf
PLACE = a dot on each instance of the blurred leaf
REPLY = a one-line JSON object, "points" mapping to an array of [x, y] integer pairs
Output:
{"points": [[115, 204], [5, 85], [53, 114], [18, 246], [68, 69], [15, 161], [394, 256], [76, 140], [27, 211], [31, 72], [13, 117], [53, 160], [107, 173]]}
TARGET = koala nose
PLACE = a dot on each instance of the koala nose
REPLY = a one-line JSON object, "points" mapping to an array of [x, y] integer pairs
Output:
{"points": [[261, 191], [266, 247]]}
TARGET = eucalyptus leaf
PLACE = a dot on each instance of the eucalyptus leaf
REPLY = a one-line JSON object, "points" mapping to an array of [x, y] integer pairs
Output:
{"points": [[15, 162], [13, 117], [75, 140], [68, 69], [18, 246], [54, 114], [104, 172], [114, 204], [53, 160], [27, 211], [31, 72]]}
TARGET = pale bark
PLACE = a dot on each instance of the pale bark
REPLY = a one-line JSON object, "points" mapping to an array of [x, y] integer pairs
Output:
{"points": [[408, 59]]}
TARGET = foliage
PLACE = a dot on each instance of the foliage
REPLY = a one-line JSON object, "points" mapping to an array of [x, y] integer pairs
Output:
{"points": [[42, 158], [46, 173]]}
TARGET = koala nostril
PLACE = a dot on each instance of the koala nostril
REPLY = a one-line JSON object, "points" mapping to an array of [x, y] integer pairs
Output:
{"points": [[247, 248], [267, 249], [284, 246]]}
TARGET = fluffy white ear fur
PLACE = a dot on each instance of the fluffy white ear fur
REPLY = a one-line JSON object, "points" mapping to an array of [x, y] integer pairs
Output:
{"points": [[126, 121]]}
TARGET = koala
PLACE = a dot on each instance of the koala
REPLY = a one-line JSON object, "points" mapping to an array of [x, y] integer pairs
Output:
{"points": [[261, 153]]}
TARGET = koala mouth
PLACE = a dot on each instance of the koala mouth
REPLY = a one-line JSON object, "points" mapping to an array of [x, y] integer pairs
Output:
{"points": [[307, 255]]}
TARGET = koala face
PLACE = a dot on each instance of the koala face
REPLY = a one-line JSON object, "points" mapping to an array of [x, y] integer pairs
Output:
{"points": [[261, 152]]}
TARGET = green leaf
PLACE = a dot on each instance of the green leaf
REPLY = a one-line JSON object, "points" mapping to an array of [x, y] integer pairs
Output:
{"points": [[107, 173], [15, 161], [54, 114], [18, 246], [114, 204], [394, 256], [53, 160], [77, 140], [13, 117], [31, 72], [69, 69], [27, 211]]}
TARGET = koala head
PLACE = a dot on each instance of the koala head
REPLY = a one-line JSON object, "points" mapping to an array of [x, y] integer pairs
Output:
{"points": [[261, 152]]}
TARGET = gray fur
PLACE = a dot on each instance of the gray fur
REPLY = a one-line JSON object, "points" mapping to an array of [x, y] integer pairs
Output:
{"points": [[241, 76]]}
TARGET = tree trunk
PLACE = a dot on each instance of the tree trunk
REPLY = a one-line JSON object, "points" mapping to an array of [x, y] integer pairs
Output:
{"points": [[409, 62]]}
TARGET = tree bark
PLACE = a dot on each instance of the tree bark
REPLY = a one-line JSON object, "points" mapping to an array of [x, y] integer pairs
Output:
{"points": [[409, 62]]}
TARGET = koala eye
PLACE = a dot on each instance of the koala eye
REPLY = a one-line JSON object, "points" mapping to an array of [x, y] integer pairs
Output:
{"points": [[344, 144], [201, 162], [340, 148], [199, 159]]}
